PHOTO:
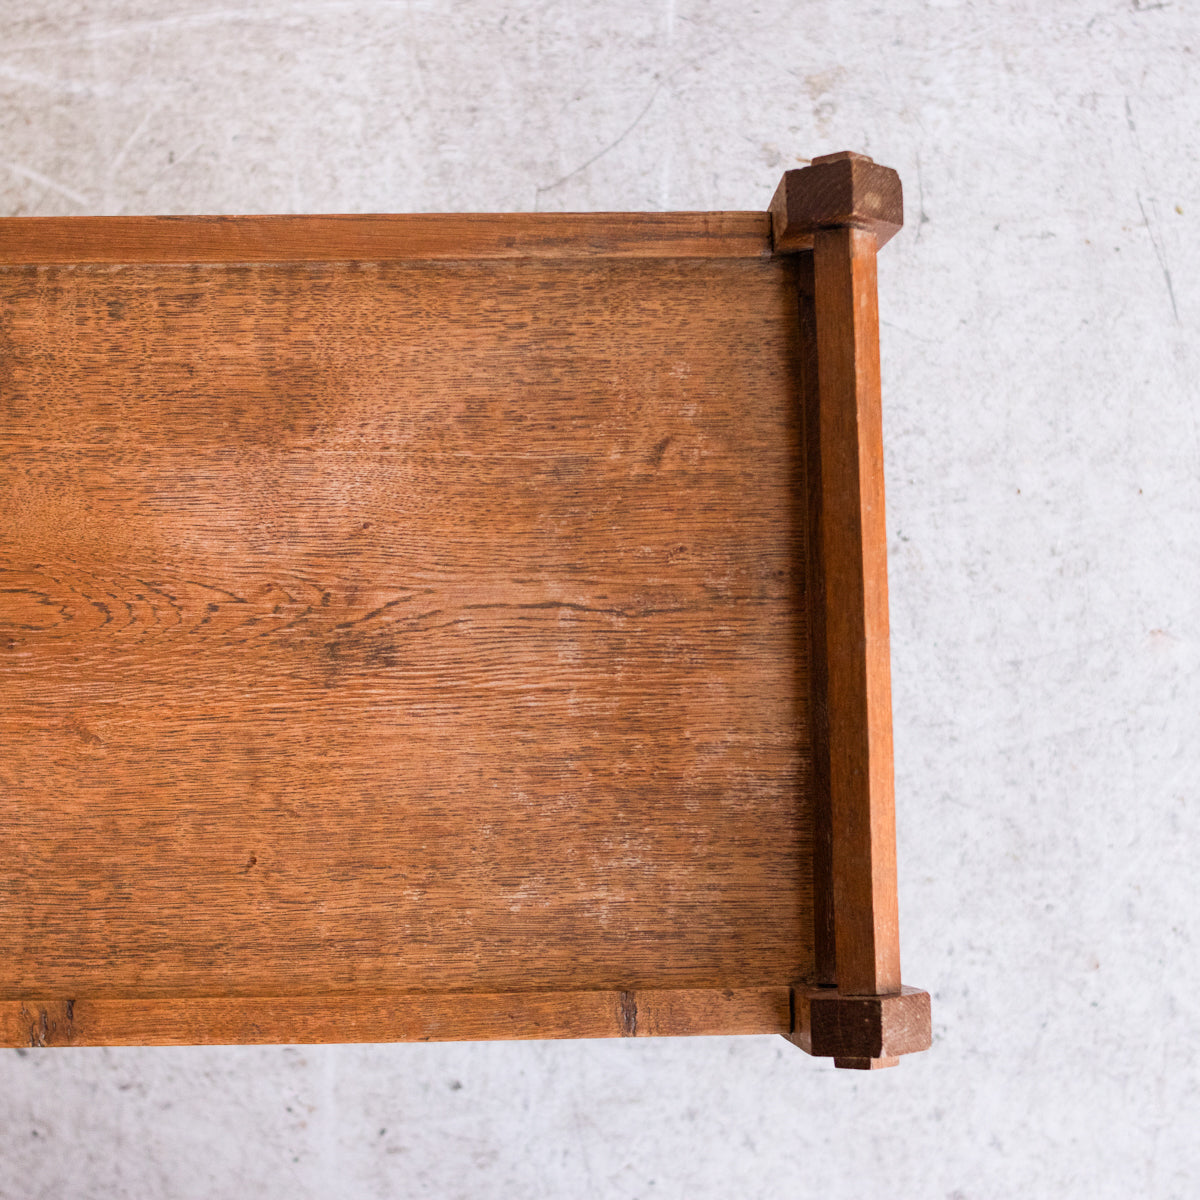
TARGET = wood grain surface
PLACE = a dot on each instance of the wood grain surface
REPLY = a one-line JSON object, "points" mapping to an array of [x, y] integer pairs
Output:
{"points": [[410, 1017], [834, 1025], [384, 237], [858, 661], [838, 191], [380, 627]]}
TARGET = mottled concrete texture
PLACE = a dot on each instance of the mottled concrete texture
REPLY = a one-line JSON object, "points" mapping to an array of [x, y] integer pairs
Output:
{"points": [[1040, 355]]}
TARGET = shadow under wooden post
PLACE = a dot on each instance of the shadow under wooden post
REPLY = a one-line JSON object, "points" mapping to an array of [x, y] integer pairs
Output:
{"points": [[843, 208]]}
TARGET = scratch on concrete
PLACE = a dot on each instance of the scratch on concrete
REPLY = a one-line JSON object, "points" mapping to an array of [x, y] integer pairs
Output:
{"points": [[68, 86], [549, 187], [117, 30], [1161, 256], [46, 182], [139, 129]]}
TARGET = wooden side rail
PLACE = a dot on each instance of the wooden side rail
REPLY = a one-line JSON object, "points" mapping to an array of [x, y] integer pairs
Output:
{"points": [[845, 207], [389, 1017]]}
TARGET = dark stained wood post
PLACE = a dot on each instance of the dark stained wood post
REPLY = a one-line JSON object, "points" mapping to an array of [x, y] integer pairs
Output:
{"points": [[844, 207]]}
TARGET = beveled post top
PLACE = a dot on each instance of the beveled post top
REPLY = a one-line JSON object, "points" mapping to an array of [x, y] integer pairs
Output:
{"points": [[834, 191]]}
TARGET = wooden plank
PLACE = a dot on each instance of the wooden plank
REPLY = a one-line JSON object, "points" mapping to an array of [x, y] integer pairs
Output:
{"points": [[824, 943], [383, 238], [854, 549], [413, 1017], [377, 628]]}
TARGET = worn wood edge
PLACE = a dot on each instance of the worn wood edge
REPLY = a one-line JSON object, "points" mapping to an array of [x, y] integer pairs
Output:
{"points": [[854, 571], [844, 206], [397, 1017], [836, 191], [382, 237], [873, 1019], [828, 1023]]}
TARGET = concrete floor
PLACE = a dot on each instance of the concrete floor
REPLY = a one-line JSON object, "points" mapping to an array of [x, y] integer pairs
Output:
{"points": [[1043, 453]]}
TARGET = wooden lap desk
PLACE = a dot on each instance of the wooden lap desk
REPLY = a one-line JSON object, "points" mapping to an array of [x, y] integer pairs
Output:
{"points": [[448, 627]]}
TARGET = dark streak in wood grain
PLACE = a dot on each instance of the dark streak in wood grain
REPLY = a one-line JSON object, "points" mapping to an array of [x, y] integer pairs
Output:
{"points": [[628, 1014], [824, 942]]}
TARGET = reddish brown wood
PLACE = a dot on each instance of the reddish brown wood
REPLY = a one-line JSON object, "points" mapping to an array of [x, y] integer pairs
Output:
{"points": [[411, 1017], [416, 627], [854, 546], [837, 191], [824, 944], [831, 1024], [394, 627], [384, 238]]}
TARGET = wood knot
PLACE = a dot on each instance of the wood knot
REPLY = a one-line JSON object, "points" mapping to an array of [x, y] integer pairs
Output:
{"points": [[627, 1014]]}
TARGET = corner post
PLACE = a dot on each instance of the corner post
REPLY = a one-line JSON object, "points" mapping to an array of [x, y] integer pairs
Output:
{"points": [[844, 207]]}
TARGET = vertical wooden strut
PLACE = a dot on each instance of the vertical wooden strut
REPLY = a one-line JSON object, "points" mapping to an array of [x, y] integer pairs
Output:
{"points": [[856, 613], [845, 207]]}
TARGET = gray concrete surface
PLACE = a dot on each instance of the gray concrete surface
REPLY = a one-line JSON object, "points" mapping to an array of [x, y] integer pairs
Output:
{"points": [[1040, 356]]}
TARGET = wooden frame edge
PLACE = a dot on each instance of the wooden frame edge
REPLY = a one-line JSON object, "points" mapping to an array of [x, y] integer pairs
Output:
{"points": [[845, 206], [397, 1017], [45, 241]]}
